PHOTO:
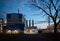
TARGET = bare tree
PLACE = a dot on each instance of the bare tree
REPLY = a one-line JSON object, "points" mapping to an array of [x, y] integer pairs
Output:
{"points": [[50, 8]]}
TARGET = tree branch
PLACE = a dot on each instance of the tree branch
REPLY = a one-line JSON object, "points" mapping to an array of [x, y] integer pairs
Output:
{"points": [[55, 15], [34, 1], [53, 5], [41, 9], [57, 1], [50, 8], [58, 8]]}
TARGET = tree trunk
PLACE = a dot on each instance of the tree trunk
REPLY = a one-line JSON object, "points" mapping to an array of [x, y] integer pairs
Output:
{"points": [[55, 28]]}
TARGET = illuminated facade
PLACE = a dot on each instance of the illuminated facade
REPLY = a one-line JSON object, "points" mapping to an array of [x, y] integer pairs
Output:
{"points": [[31, 30], [2, 24], [15, 21]]}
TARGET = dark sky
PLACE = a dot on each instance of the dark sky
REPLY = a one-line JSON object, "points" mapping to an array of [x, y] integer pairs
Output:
{"points": [[11, 6]]}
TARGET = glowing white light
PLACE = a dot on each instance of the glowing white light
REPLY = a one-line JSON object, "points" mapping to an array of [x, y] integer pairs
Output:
{"points": [[31, 31], [5, 21], [8, 31], [16, 31]]}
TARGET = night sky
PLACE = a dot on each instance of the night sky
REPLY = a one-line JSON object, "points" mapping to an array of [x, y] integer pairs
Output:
{"points": [[12, 6]]}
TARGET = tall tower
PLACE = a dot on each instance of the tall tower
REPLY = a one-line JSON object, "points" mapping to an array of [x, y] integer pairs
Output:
{"points": [[33, 23], [29, 23], [26, 22]]}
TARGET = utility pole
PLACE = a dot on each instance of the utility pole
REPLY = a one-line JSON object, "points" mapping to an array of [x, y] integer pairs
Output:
{"points": [[49, 22], [18, 10]]}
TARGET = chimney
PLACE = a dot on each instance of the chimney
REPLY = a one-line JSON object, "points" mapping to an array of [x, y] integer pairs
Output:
{"points": [[29, 23], [32, 23], [26, 23]]}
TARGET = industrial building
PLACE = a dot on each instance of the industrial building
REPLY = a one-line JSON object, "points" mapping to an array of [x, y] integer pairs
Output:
{"points": [[15, 21], [51, 28], [2, 24], [30, 29]]}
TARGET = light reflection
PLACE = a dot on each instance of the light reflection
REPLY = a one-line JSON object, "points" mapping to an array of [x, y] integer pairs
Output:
{"points": [[16, 31], [12, 31], [31, 31], [8, 31]]}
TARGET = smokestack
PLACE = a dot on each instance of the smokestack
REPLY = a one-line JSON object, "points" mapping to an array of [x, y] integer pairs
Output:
{"points": [[26, 23], [29, 23], [32, 22]]}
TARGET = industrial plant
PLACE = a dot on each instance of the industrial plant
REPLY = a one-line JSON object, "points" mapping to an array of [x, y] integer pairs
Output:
{"points": [[16, 23], [30, 29]]}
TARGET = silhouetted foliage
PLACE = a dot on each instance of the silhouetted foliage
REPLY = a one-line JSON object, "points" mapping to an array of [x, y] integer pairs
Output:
{"points": [[50, 8]]}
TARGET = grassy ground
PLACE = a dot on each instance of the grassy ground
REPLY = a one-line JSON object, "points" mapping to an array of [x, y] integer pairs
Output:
{"points": [[22, 37], [30, 37], [52, 36]]}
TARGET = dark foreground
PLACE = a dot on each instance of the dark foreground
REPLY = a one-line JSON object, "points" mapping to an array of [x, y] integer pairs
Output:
{"points": [[22, 37], [52, 36], [32, 37]]}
